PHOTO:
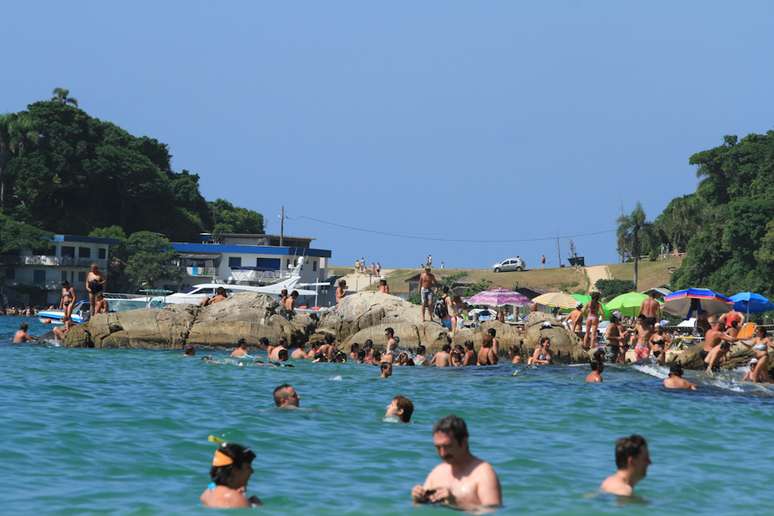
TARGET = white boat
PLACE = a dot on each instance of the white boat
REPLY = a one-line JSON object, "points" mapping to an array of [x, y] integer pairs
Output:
{"points": [[79, 315]]}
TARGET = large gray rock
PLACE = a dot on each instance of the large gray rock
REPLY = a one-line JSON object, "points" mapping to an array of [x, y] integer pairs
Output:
{"points": [[565, 345]]}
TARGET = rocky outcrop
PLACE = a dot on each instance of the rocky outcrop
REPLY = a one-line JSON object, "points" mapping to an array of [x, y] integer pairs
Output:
{"points": [[244, 315], [565, 345]]}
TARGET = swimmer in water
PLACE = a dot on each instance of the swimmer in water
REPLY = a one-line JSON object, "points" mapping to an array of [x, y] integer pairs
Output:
{"points": [[462, 480], [22, 335], [276, 351], [542, 354], [595, 376], [231, 468], [189, 350], [400, 408], [675, 379], [443, 357], [632, 460], [386, 369], [299, 353], [241, 349], [286, 397]]}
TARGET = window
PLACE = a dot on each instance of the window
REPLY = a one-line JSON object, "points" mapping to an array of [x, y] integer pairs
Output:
{"points": [[234, 261], [268, 264], [39, 277], [64, 275], [68, 251], [84, 252], [81, 276], [314, 265], [102, 253]]}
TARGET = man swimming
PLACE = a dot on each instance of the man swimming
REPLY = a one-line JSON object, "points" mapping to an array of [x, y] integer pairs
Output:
{"points": [[595, 376], [632, 460], [299, 353], [443, 357], [400, 408], [286, 397], [277, 351], [386, 369], [462, 480], [22, 334], [486, 355], [240, 350], [675, 379]]}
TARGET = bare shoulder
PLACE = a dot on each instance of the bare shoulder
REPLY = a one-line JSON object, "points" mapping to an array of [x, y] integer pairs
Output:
{"points": [[484, 470], [613, 485], [437, 474]]}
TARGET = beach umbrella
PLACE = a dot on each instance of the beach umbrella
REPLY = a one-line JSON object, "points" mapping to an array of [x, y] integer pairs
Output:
{"points": [[581, 298], [685, 302], [499, 297], [628, 304], [556, 300], [751, 303]]}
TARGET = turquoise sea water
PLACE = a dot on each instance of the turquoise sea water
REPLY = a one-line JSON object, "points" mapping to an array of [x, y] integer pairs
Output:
{"points": [[126, 431]]}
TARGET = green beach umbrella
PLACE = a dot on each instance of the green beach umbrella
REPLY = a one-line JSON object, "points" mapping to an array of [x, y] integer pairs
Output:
{"points": [[628, 304], [586, 299]]}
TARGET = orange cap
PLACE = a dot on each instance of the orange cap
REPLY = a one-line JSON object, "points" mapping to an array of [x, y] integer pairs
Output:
{"points": [[221, 459]]}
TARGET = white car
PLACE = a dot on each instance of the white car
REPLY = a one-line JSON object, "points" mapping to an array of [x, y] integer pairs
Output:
{"points": [[510, 264]]}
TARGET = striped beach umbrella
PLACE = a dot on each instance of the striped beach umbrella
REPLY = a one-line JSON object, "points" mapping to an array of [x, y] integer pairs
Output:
{"points": [[683, 303], [499, 297]]}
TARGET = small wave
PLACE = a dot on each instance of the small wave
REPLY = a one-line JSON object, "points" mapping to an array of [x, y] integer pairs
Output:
{"points": [[336, 378], [652, 370]]}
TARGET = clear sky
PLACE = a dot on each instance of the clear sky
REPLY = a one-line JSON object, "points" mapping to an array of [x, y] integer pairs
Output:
{"points": [[451, 120]]}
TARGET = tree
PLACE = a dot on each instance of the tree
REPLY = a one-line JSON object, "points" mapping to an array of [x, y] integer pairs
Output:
{"points": [[610, 288], [17, 132], [151, 259], [631, 229], [62, 95], [228, 218], [16, 236]]}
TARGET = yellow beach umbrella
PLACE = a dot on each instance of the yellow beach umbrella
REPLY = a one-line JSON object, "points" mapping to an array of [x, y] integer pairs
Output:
{"points": [[556, 300]]}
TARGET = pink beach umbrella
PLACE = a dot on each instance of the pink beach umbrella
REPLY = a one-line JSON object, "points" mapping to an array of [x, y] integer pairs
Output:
{"points": [[499, 297]]}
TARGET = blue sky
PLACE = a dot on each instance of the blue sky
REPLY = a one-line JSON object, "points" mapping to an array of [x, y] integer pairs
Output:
{"points": [[451, 120]]}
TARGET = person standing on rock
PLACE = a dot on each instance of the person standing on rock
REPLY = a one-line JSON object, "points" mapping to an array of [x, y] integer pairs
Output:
{"points": [[632, 460], [341, 291], [650, 311], [575, 320], [594, 313], [542, 261], [95, 283], [426, 284]]}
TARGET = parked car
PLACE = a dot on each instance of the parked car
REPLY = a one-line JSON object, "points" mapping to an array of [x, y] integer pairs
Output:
{"points": [[510, 264]]}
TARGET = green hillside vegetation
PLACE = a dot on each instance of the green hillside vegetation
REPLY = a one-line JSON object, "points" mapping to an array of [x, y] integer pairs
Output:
{"points": [[726, 227], [64, 171]]}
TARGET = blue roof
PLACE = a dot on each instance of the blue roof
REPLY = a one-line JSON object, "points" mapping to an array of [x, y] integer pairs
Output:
{"points": [[85, 239], [183, 247]]}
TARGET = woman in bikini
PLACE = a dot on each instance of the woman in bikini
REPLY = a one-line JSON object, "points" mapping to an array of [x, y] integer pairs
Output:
{"points": [[95, 283], [68, 299], [542, 355], [593, 312]]}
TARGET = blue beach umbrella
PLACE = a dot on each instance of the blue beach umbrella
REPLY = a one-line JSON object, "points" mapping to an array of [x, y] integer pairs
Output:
{"points": [[751, 303], [685, 302]]}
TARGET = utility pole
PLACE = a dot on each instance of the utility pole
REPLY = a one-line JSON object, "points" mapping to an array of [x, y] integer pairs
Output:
{"points": [[282, 227], [558, 252]]}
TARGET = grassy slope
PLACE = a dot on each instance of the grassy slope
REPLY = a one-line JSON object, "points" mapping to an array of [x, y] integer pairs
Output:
{"points": [[652, 274]]}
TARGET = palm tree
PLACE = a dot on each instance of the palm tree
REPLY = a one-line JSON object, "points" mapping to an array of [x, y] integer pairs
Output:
{"points": [[630, 232], [62, 95], [17, 132]]}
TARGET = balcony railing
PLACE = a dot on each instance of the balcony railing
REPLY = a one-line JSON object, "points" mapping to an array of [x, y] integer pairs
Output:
{"points": [[59, 261], [199, 272]]}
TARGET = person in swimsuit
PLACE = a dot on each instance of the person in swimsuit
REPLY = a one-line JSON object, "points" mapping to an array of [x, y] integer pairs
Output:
{"points": [[713, 338], [22, 335], [67, 302], [101, 306], [385, 369], [575, 320], [95, 283], [675, 379], [650, 310], [716, 356], [469, 358], [613, 335], [443, 357], [451, 308], [486, 355], [341, 291], [230, 472], [286, 397], [462, 480], [760, 373], [761, 337], [426, 284], [542, 355], [241, 349], [594, 313], [658, 345], [632, 460], [384, 288]]}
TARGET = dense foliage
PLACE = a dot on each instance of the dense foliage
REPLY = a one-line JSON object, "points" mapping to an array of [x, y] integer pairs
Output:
{"points": [[610, 288], [18, 235], [67, 172], [727, 226], [150, 259]]}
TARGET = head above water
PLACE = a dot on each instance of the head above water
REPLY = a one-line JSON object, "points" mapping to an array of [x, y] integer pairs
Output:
{"points": [[676, 369], [386, 369], [450, 437], [403, 408], [631, 453], [232, 465], [286, 396]]}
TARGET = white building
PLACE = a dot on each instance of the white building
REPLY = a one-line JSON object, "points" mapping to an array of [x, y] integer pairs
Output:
{"points": [[249, 259], [36, 279]]}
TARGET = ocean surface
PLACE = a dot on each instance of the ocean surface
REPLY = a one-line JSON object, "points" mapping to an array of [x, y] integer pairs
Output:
{"points": [[122, 431]]}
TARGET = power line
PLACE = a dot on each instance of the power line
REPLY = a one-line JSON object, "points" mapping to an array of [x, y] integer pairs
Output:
{"points": [[451, 240]]}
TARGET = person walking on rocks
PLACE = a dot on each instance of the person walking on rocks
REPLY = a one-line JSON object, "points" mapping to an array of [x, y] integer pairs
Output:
{"points": [[426, 284]]}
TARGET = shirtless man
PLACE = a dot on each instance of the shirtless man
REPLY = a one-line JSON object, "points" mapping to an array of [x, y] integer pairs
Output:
{"points": [[716, 356], [650, 310], [675, 379], [614, 335], [290, 302], [426, 284], [729, 317], [384, 288], [713, 338], [391, 346], [299, 353], [241, 349], [495, 341], [277, 351], [442, 358], [286, 397], [59, 333], [486, 355], [632, 460], [101, 306], [22, 335], [220, 295], [385, 369], [341, 291], [462, 480], [575, 319]]}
